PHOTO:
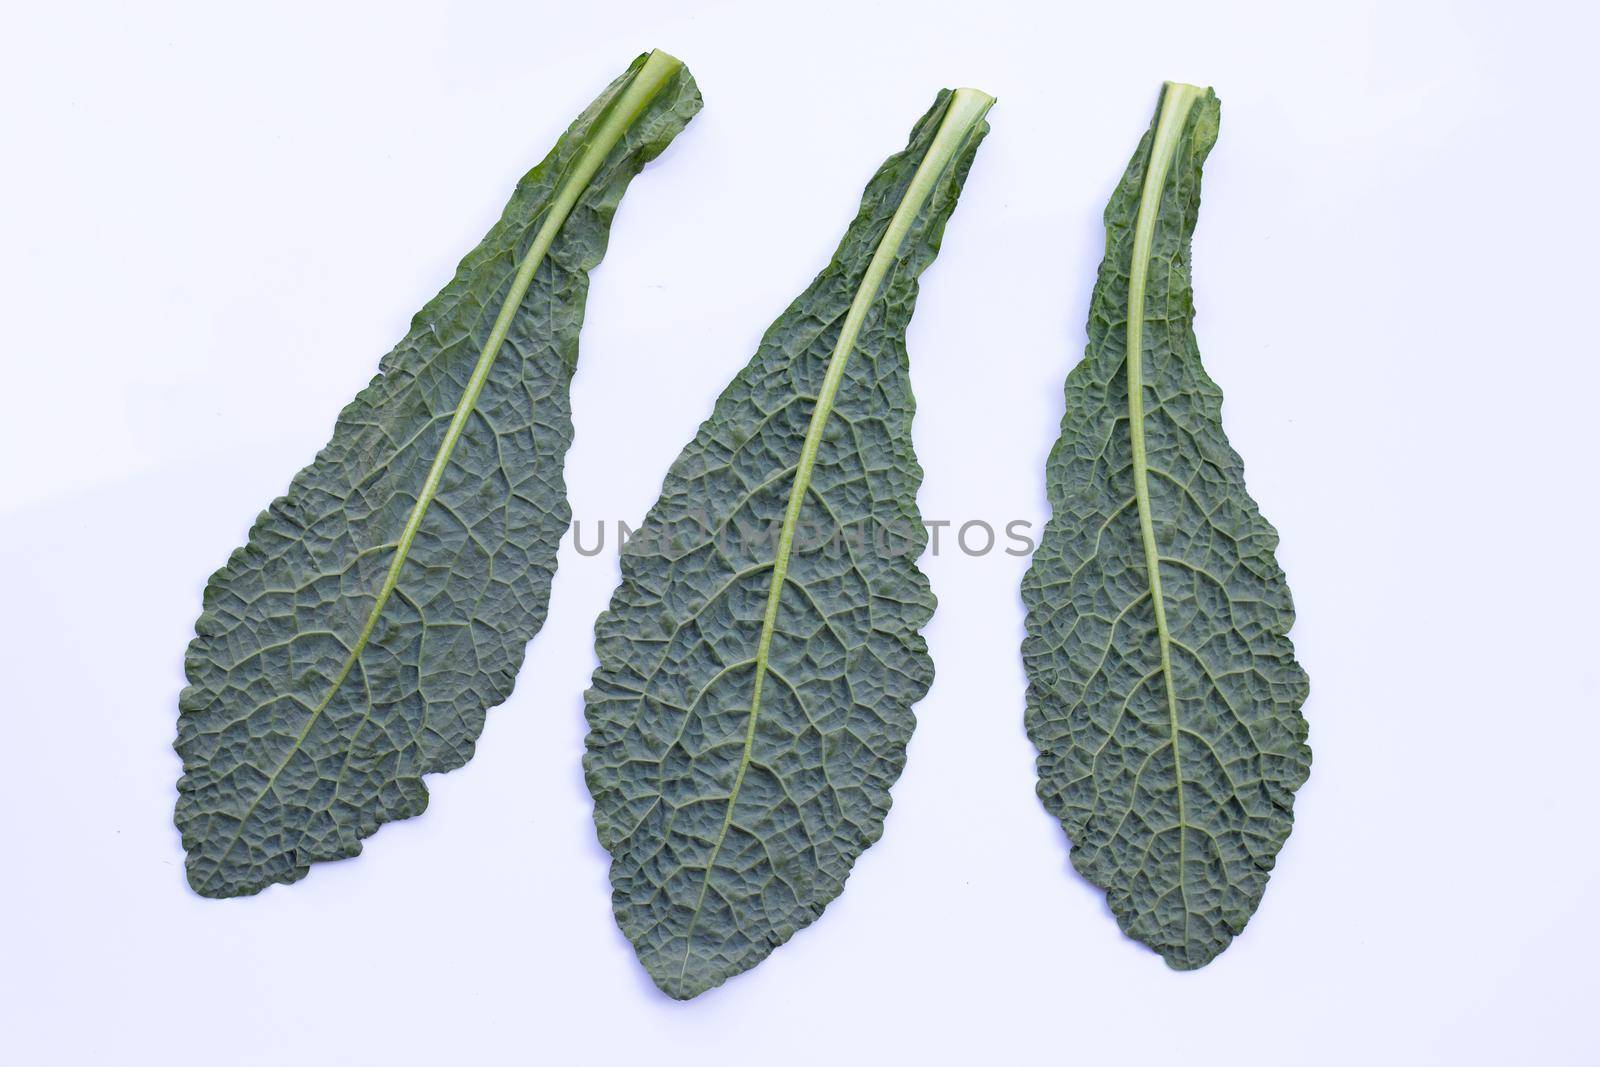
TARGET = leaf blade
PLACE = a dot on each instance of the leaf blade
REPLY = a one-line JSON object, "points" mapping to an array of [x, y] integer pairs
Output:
{"points": [[819, 788], [1173, 778], [441, 491]]}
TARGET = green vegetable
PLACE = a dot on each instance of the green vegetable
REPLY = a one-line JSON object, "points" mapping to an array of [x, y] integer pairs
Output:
{"points": [[759, 661], [379, 608], [1164, 697]]}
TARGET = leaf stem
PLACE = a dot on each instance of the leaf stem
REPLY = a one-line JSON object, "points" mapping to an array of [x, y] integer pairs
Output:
{"points": [[1176, 102]]}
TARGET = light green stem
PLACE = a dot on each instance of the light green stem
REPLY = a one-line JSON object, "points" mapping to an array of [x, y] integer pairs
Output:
{"points": [[1176, 102]]}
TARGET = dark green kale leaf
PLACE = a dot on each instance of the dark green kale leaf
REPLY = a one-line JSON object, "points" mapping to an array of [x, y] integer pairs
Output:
{"points": [[760, 659], [383, 604], [1163, 695]]}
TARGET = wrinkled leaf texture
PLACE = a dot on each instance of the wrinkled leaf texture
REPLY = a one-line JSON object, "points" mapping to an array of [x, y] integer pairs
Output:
{"points": [[1163, 695], [752, 707], [382, 605]]}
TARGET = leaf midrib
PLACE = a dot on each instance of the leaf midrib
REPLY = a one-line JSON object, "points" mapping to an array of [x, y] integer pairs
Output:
{"points": [[963, 114], [619, 116], [1176, 102]]}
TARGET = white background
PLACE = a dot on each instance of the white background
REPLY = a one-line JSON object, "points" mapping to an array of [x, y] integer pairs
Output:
{"points": [[215, 220]]}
